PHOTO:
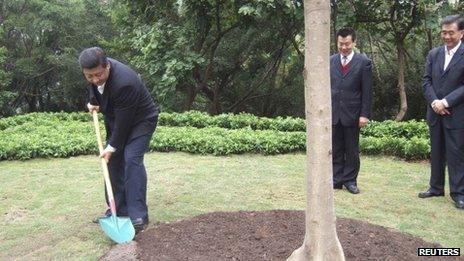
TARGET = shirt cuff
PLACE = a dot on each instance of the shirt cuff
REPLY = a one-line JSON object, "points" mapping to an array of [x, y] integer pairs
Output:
{"points": [[109, 148], [445, 103]]}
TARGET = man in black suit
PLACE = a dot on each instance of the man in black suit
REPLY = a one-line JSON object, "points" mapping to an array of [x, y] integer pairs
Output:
{"points": [[130, 120], [444, 92], [351, 85]]}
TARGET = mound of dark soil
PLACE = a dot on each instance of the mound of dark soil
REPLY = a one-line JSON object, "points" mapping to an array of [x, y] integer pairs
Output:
{"points": [[271, 235]]}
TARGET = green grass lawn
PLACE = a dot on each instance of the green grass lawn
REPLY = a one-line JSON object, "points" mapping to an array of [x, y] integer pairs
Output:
{"points": [[47, 204]]}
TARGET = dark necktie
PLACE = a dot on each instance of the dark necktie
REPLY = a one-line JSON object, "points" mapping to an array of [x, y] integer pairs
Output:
{"points": [[344, 60]]}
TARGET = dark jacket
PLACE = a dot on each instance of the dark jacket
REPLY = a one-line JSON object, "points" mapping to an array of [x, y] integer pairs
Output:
{"points": [[351, 92], [448, 84], [126, 103]]}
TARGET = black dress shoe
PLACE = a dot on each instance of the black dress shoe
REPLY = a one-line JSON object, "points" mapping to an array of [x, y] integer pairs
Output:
{"points": [[338, 186], [140, 224], [352, 188], [429, 194], [459, 204]]}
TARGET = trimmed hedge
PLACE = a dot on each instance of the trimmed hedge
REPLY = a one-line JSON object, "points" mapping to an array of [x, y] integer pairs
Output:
{"points": [[77, 138], [68, 134], [187, 119], [40, 118], [231, 121], [220, 141], [198, 119], [50, 138], [410, 149], [389, 128]]}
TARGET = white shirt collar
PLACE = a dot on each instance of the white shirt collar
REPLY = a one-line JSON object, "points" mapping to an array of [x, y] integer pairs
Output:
{"points": [[452, 51], [349, 57], [101, 88]]}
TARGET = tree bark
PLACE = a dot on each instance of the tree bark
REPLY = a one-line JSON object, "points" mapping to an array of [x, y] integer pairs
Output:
{"points": [[401, 85], [429, 39], [191, 95], [321, 240]]}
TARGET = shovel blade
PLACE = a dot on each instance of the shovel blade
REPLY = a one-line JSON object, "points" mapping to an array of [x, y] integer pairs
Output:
{"points": [[119, 229]]}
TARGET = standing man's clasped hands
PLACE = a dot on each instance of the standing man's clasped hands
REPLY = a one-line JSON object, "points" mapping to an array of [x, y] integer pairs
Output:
{"points": [[438, 107]]}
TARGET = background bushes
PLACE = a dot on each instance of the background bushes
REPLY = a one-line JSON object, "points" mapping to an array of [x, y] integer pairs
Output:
{"points": [[67, 134]]}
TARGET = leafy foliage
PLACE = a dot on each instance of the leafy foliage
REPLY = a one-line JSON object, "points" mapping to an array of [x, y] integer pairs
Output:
{"points": [[232, 121], [41, 41], [389, 128], [214, 55], [68, 134], [5, 79]]}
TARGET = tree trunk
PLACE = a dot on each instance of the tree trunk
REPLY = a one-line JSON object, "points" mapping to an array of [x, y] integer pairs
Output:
{"points": [[31, 99], [401, 87], [215, 107], [429, 39], [191, 94], [321, 240]]}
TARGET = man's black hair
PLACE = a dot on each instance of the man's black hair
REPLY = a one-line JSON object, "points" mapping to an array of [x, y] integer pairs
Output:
{"points": [[92, 57], [344, 32], [454, 19]]}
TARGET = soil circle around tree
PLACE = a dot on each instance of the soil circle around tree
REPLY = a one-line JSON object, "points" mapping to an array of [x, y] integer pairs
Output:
{"points": [[264, 235]]}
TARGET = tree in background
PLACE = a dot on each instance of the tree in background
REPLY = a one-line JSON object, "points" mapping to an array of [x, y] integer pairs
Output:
{"points": [[42, 40], [210, 55], [5, 79], [219, 56], [321, 240]]}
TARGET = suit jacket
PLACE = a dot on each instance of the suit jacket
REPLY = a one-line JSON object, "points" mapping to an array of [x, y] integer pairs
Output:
{"points": [[351, 92], [126, 103], [448, 84]]}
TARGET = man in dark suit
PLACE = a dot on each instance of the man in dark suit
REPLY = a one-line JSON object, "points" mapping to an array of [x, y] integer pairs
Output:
{"points": [[351, 85], [444, 92], [130, 120]]}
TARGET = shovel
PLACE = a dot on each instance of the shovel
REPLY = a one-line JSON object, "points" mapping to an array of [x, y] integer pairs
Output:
{"points": [[119, 229]]}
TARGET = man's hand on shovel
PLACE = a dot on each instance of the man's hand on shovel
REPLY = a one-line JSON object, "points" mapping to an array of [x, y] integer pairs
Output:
{"points": [[92, 107], [106, 154]]}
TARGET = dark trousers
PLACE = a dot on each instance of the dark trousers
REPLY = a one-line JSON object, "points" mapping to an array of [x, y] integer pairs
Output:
{"points": [[447, 146], [345, 154], [129, 178]]}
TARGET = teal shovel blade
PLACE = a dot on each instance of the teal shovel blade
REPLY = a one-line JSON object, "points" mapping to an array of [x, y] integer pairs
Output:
{"points": [[119, 229]]}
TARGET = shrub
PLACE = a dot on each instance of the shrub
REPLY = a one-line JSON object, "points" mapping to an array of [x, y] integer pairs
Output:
{"points": [[67, 134], [391, 128]]}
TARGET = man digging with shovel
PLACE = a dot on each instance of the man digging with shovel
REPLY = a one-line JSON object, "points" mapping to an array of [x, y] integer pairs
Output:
{"points": [[130, 120]]}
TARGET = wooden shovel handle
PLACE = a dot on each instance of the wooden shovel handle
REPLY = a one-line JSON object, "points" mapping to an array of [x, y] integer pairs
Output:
{"points": [[106, 175]]}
